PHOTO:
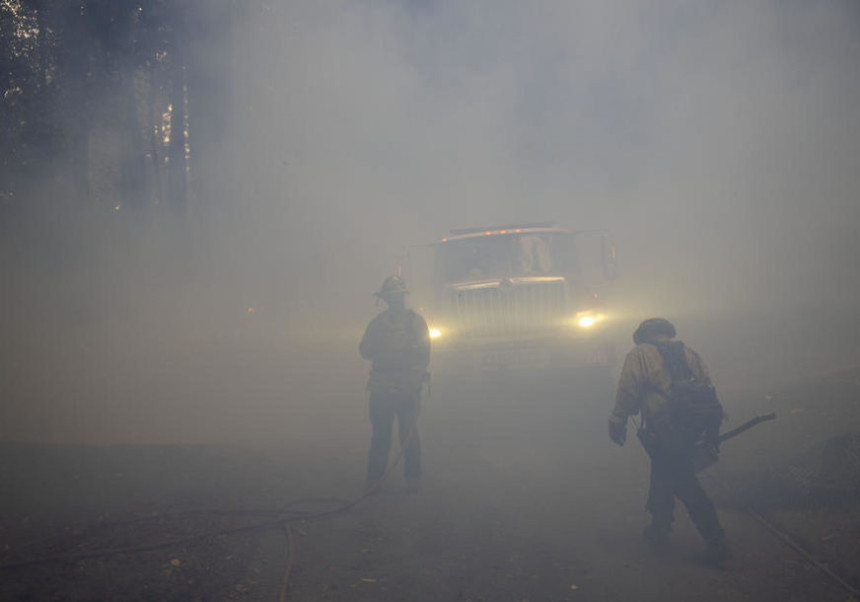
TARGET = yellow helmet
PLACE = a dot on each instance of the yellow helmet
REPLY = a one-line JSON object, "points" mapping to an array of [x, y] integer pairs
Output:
{"points": [[651, 328], [393, 285]]}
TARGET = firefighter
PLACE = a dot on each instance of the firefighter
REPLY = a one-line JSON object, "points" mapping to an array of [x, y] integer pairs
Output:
{"points": [[646, 388], [397, 342]]}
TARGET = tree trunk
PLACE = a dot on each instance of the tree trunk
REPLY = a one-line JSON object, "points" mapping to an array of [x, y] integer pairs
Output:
{"points": [[155, 138], [134, 163], [210, 102], [177, 189], [74, 114]]}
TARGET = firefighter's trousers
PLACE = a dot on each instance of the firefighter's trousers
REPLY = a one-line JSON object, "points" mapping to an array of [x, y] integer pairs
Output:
{"points": [[673, 475], [384, 407]]}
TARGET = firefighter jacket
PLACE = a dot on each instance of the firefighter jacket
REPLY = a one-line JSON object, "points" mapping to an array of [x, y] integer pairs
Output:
{"points": [[398, 344], [645, 382]]}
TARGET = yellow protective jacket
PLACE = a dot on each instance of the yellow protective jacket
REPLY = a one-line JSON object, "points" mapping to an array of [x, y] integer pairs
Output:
{"points": [[644, 384], [398, 344]]}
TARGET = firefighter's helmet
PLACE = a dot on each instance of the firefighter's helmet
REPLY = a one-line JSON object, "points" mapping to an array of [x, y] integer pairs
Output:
{"points": [[652, 328], [393, 285]]}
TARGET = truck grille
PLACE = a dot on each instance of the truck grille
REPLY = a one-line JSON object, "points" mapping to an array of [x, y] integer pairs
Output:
{"points": [[513, 310]]}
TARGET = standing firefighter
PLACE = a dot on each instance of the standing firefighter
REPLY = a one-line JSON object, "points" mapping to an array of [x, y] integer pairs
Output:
{"points": [[397, 341], [668, 384]]}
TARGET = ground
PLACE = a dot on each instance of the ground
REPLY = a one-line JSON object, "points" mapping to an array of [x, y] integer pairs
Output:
{"points": [[524, 498]]}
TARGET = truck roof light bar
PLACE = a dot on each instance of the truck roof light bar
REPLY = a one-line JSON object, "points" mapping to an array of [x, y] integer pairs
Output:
{"points": [[499, 229]]}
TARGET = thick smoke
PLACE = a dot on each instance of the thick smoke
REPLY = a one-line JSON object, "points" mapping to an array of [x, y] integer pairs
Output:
{"points": [[718, 141]]}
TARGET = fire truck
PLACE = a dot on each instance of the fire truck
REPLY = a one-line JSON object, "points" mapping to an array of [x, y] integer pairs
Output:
{"points": [[515, 297]]}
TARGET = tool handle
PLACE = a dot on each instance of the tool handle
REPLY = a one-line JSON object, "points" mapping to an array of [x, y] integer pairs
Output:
{"points": [[747, 426]]}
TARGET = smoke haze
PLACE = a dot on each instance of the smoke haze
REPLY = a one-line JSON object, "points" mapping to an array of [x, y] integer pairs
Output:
{"points": [[719, 142]]}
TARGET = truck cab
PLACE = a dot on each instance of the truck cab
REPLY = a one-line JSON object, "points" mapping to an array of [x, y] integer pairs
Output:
{"points": [[519, 296]]}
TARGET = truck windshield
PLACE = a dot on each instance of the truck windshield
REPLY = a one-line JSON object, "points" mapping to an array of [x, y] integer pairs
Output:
{"points": [[506, 255]]}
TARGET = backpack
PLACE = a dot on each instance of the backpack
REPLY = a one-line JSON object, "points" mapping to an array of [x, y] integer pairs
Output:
{"points": [[693, 404]]}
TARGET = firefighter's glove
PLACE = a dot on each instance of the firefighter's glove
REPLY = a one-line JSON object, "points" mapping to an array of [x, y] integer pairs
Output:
{"points": [[712, 441], [618, 432]]}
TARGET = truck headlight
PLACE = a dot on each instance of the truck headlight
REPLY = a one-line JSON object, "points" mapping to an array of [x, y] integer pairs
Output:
{"points": [[586, 319], [585, 322], [435, 333]]}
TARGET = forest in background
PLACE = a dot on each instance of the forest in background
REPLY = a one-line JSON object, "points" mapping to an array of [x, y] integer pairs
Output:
{"points": [[113, 103], [118, 174]]}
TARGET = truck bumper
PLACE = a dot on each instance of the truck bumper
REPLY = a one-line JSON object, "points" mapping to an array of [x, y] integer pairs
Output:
{"points": [[520, 355]]}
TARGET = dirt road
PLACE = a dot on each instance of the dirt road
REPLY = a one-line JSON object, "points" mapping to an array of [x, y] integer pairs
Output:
{"points": [[524, 497]]}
